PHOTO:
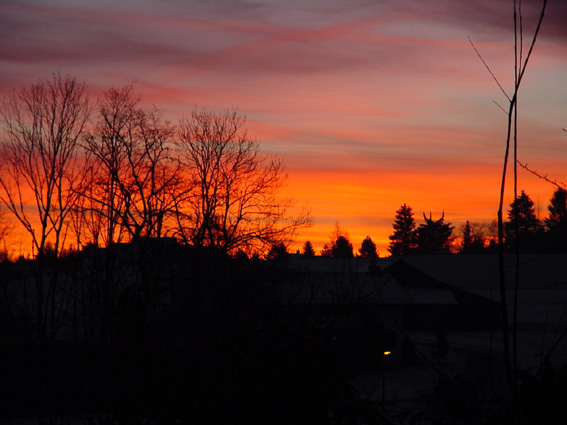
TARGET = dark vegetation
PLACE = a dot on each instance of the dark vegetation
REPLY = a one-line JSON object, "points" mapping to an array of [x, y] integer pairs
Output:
{"points": [[435, 237], [524, 231], [179, 334], [183, 334]]}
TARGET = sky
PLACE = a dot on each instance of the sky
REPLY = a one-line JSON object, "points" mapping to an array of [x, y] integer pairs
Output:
{"points": [[371, 104]]}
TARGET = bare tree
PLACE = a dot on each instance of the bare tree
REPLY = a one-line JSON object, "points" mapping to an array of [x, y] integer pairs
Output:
{"points": [[137, 184], [234, 204], [107, 144], [5, 229], [136, 189], [87, 221], [477, 236], [41, 169]]}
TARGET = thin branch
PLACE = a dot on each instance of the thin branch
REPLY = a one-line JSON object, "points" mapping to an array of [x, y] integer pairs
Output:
{"points": [[559, 185], [525, 64], [500, 106], [488, 69]]}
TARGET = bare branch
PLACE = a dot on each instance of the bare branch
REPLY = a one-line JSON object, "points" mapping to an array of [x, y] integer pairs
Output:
{"points": [[234, 203], [488, 69], [559, 185], [525, 64], [500, 106]]}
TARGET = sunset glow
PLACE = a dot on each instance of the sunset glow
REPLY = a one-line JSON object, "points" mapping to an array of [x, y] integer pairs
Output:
{"points": [[370, 104]]}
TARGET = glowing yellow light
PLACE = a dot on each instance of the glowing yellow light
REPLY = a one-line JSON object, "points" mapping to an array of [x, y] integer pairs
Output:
{"points": [[387, 353]]}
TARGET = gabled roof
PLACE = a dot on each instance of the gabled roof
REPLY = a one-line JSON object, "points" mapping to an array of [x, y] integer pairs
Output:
{"points": [[481, 272], [329, 265], [413, 278], [306, 287], [359, 281]]}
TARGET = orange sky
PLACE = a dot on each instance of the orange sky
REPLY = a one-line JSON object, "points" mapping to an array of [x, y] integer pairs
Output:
{"points": [[371, 104]]}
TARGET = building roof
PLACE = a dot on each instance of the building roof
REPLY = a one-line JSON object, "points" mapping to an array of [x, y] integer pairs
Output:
{"points": [[360, 281], [481, 272]]}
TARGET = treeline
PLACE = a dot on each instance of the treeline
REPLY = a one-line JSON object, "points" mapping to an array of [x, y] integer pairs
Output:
{"points": [[433, 236], [524, 232], [77, 172]]}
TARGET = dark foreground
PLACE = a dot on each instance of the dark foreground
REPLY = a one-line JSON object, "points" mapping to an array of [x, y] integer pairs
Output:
{"points": [[224, 352]]}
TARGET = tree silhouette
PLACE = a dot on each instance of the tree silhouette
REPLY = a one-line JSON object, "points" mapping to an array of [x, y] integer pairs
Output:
{"points": [[434, 236], [137, 181], [342, 248], [327, 251], [40, 155], [41, 159], [308, 250], [521, 215], [278, 251], [5, 229], [234, 203], [403, 240], [556, 223], [473, 239], [557, 220], [368, 249], [339, 246]]}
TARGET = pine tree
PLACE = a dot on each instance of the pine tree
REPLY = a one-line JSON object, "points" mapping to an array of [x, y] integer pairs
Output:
{"points": [[278, 251], [556, 223], [402, 241], [339, 246], [326, 252], [522, 214], [473, 240], [342, 248], [308, 250], [368, 248], [557, 220]]}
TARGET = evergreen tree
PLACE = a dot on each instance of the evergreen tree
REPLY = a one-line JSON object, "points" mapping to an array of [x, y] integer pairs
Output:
{"points": [[368, 248], [402, 241], [473, 240], [524, 230], [556, 223], [326, 252], [342, 248], [557, 220], [467, 234], [434, 236], [278, 251], [522, 214], [339, 246], [308, 250]]}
